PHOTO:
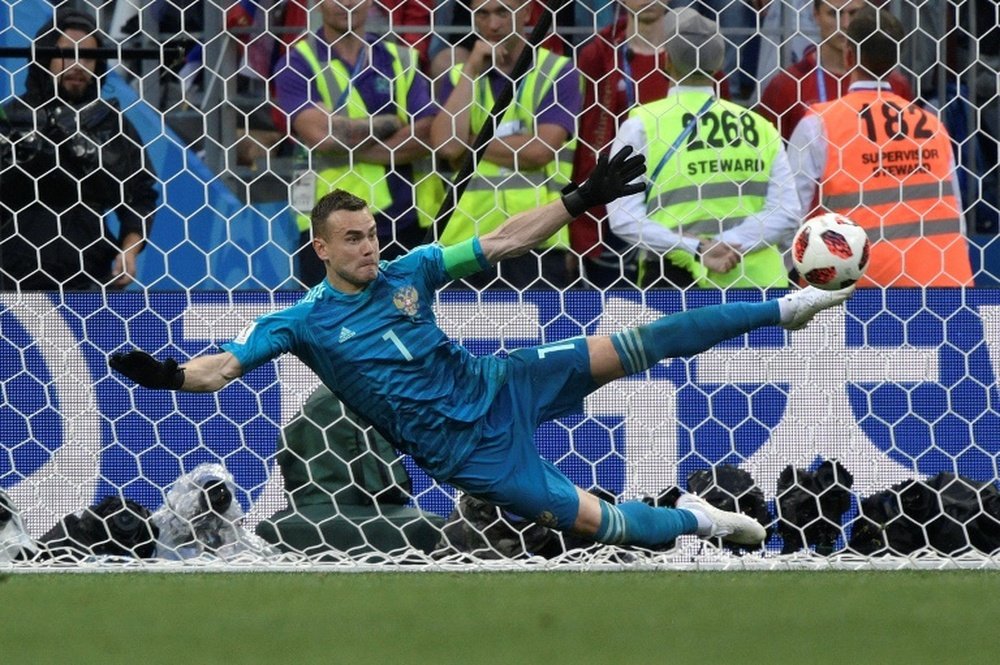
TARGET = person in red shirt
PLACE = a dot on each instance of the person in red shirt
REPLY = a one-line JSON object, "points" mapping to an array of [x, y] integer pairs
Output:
{"points": [[622, 66], [411, 21], [820, 75]]}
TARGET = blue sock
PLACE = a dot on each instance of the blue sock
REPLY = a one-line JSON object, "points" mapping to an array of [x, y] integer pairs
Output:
{"points": [[688, 333], [636, 523]]}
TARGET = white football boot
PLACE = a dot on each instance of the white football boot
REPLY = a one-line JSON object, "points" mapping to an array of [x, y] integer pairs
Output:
{"points": [[799, 307], [732, 527]]}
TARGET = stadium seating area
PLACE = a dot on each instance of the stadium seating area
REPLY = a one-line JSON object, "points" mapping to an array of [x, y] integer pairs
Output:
{"points": [[224, 158]]}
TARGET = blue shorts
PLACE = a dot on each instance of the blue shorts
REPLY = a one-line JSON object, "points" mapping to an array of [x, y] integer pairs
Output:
{"points": [[543, 382]]}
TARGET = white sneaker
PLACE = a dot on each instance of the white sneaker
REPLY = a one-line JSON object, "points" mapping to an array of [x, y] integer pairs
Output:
{"points": [[732, 527], [799, 307]]}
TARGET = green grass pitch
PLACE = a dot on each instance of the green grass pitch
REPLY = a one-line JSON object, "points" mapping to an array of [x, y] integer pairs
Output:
{"points": [[510, 618]]}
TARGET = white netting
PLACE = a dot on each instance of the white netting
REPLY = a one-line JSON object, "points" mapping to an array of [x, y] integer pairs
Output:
{"points": [[871, 437]]}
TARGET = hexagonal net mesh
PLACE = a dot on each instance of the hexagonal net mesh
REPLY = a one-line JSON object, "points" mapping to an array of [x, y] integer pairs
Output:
{"points": [[159, 163]]}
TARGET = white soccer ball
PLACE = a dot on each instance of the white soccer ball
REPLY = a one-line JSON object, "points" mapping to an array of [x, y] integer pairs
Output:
{"points": [[830, 251]]}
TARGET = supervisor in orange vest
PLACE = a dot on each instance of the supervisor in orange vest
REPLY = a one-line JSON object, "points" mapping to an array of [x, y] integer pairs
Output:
{"points": [[887, 164]]}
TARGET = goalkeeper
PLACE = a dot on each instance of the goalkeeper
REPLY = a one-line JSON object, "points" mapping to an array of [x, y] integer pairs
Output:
{"points": [[369, 332]]}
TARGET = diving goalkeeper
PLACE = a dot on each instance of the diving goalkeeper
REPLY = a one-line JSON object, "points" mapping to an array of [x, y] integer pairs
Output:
{"points": [[369, 332]]}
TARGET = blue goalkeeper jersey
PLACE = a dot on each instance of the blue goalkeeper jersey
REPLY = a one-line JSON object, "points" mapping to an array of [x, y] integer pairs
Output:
{"points": [[381, 352]]}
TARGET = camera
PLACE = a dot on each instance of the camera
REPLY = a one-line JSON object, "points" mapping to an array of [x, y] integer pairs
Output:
{"points": [[15, 543], [200, 516], [216, 496], [60, 123], [114, 527], [5, 513]]}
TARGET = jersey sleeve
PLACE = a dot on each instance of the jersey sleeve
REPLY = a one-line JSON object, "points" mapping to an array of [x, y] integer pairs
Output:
{"points": [[562, 103], [464, 258], [418, 99], [293, 89], [436, 266], [265, 339]]}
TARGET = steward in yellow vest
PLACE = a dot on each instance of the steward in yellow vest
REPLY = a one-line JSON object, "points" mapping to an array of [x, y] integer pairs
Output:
{"points": [[720, 201], [497, 192], [367, 180], [530, 159], [361, 113]]}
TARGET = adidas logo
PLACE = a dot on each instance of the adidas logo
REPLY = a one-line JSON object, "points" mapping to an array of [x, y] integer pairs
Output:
{"points": [[345, 334]]}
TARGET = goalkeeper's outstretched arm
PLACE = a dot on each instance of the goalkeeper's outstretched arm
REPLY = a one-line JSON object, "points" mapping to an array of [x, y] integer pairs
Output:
{"points": [[610, 179], [201, 375]]}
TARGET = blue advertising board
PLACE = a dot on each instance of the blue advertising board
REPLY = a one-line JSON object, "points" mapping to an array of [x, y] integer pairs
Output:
{"points": [[898, 384]]}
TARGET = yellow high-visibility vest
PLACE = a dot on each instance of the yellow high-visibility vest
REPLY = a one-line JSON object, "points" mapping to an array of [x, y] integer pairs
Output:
{"points": [[365, 180], [495, 193], [717, 176]]}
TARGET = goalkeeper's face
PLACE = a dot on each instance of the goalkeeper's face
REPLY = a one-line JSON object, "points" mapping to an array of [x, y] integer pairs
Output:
{"points": [[348, 245]]}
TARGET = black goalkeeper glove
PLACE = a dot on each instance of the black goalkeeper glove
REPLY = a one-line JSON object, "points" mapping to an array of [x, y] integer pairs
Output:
{"points": [[147, 371], [608, 181]]}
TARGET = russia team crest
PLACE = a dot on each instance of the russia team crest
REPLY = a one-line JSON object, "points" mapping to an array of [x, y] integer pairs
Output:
{"points": [[406, 300]]}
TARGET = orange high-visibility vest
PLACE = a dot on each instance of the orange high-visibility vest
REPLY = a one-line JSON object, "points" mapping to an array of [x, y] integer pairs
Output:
{"points": [[888, 168]]}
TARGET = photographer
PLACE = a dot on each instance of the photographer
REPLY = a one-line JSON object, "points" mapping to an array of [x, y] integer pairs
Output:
{"points": [[67, 159]]}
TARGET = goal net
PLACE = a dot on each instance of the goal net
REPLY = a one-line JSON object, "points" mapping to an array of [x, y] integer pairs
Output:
{"points": [[867, 440]]}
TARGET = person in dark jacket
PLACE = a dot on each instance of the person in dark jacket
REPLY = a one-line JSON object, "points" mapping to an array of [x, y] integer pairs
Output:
{"points": [[67, 159]]}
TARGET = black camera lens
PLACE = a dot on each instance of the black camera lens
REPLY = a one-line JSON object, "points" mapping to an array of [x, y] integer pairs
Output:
{"points": [[125, 522], [218, 496]]}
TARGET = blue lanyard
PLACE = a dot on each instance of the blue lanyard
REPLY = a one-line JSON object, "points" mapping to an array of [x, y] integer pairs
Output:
{"points": [[359, 65], [626, 69], [821, 84], [678, 141]]}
